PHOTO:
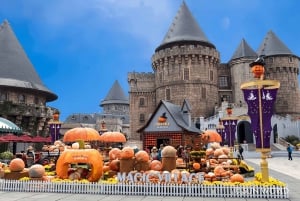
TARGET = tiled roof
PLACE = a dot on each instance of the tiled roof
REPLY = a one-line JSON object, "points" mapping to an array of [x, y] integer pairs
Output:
{"points": [[184, 28], [116, 95], [272, 45], [16, 69], [244, 50]]}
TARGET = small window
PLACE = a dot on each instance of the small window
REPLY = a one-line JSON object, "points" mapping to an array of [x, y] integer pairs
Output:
{"points": [[203, 93], [22, 98], [160, 77], [223, 81], [211, 75], [186, 74], [168, 94], [290, 59], [142, 118], [142, 101], [3, 96]]}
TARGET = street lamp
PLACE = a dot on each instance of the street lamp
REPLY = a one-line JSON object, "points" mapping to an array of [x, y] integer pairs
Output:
{"points": [[260, 95], [54, 127]]}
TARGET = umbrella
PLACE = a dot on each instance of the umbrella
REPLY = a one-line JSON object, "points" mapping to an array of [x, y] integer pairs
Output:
{"points": [[211, 136], [25, 138], [10, 138], [81, 133], [41, 139], [113, 137]]}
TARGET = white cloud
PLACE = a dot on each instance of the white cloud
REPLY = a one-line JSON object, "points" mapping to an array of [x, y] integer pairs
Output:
{"points": [[225, 23]]}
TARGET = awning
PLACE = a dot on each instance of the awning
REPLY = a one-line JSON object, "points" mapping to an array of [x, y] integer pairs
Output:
{"points": [[7, 126]]}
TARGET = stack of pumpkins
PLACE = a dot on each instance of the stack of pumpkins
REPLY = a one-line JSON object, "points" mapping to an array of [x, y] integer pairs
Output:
{"points": [[17, 170]]}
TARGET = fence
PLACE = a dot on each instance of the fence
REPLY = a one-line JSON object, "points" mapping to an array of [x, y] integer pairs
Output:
{"points": [[150, 189]]}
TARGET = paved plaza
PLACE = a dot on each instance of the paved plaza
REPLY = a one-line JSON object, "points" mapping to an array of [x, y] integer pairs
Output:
{"points": [[279, 167]]}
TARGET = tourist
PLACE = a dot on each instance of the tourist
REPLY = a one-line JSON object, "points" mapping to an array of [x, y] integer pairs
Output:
{"points": [[241, 150], [154, 154], [30, 156], [289, 150]]}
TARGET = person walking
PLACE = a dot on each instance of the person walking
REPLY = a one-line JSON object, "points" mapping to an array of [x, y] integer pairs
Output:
{"points": [[241, 150], [289, 150]]}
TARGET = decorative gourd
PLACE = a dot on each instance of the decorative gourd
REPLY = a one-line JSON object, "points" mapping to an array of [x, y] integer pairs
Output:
{"points": [[16, 165], [142, 156], [114, 153], [156, 165], [219, 170], [36, 171], [75, 145], [209, 152], [114, 165], [74, 156], [168, 151], [237, 178], [196, 166], [127, 153], [222, 158], [258, 70]]}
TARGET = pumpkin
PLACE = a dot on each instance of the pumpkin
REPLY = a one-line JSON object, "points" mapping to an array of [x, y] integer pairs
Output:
{"points": [[222, 158], [105, 168], [16, 165], [142, 156], [36, 171], [156, 165], [258, 70], [127, 153], [237, 178], [209, 151], [74, 156], [218, 170], [162, 119], [226, 150], [114, 153], [168, 151], [74, 176], [196, 166], [218, 152], [114, 165], [81, 133]]}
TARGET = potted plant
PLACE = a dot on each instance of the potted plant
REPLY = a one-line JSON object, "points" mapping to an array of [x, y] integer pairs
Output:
{"points": [[6, 156]]}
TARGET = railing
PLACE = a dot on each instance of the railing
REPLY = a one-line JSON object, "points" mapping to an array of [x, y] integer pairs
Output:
{"points": [[150, 189]]}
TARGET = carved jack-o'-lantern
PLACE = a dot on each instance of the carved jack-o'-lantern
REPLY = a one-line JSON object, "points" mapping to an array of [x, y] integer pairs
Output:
{"points": [[74, 156], [258, 70]]}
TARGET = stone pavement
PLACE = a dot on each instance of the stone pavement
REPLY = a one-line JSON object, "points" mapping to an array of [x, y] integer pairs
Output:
{"points": [[279, 167]]}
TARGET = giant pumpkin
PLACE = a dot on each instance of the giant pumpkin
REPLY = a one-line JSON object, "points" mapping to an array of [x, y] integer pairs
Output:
{"points": [[74, 156]]}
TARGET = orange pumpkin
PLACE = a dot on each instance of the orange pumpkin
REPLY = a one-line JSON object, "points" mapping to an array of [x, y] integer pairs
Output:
{"points": [[74, 156], [219, 170], [114, 153], [16, 165], [258, 70], [142, 156], [196, 166], [106, 168], [114, 165], [218, 152], [162, 119], [237, 178], [127, 153], [156, 165]]}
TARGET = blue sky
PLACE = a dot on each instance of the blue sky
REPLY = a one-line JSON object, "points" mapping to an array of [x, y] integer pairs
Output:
{"points": [[80, 47]]}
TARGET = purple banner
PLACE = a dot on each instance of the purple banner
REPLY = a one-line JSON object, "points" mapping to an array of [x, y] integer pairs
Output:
{"points": [[268, 97], [54, 132], [229, 129], [221, 131]]}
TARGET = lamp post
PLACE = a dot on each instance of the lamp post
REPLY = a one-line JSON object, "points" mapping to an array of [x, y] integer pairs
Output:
{"points": [[230, 123], [260, 95], [54, 127]]}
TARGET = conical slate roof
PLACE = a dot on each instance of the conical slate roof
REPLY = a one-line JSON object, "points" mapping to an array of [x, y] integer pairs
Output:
{"points": [[115, 95], [15, 67], [184, 28], [244, 51], [272, 45]]}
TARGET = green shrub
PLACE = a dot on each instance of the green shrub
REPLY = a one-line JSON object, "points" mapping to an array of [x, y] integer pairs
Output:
{"points": [[7, 155]]}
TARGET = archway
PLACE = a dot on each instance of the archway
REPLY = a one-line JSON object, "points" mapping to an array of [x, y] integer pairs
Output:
{"points": [[244, 132]]}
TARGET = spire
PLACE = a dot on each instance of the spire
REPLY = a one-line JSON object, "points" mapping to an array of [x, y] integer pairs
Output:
{"points": [[16, 69], [243, 50], [115, 95], [184, 28], [272, 45]]}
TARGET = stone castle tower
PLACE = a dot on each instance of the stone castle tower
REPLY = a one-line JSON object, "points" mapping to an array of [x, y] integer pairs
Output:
{"points": [[186, 65]]}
